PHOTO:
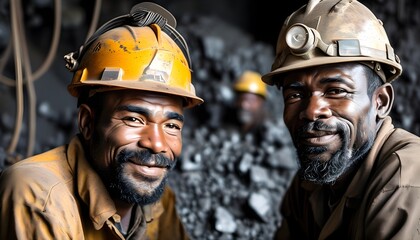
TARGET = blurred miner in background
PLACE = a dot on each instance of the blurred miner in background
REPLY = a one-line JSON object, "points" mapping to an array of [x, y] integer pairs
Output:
{"points": [[247, 113], [251, 94], [358, 176], [132, 79]]}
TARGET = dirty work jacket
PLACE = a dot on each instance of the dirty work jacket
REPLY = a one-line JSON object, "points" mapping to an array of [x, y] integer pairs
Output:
{"points": [[57, 195], [382, 200]]}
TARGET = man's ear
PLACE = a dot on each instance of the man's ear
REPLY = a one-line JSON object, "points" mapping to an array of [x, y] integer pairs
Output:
{"points": [[85, 121], [384, 99]]}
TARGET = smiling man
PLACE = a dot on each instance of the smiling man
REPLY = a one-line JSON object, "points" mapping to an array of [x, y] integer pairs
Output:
{"points": [[132, 79], [358, 176], [336, 121]]}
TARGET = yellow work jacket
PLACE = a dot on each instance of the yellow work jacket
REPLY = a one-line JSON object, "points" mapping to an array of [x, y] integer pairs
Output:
{"points": [[57, 195], [381, 202]]}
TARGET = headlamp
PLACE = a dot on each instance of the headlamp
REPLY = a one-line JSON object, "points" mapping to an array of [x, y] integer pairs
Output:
{"points": [[333, 31], [300, 39]]}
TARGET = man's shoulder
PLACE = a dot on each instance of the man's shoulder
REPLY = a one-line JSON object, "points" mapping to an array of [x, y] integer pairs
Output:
{"points": [[405, 135], [53, 154], [403, 143], [400, 154], [41, 172], [44, 162]]}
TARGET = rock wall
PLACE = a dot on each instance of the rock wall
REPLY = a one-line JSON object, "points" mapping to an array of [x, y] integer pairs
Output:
{"points": [[228, 187]]}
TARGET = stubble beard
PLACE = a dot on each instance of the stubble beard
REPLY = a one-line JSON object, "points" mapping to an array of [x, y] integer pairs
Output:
{"points": [[129, 189]]}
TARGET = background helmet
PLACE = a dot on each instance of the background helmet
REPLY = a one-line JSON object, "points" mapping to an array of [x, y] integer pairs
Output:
{"points": [[250, 81], [134, 52], [333, 31]]}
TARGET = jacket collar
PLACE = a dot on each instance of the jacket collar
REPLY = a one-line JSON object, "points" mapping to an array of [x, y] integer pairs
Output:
{"points": [[357, 185], [89, 185]]}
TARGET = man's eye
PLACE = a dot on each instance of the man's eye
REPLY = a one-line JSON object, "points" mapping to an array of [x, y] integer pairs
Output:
{"points": [[173, 126], [291, 97], [336, 92], [133, 121], [173, 129]]}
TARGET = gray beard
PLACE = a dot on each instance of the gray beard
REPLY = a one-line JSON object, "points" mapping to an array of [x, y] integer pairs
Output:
{"points": [[327, 172]]}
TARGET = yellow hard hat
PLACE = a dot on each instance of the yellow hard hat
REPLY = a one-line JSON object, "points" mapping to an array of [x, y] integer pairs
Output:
{"points": [[138, 55], [333, 31], [251, 82]]}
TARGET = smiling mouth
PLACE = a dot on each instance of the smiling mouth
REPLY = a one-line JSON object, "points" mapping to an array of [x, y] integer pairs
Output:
{"points": [[319, 138], [151, 171]]}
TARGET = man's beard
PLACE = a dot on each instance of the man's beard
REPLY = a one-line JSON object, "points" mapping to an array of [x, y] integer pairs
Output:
{"points": [[327, 172], [123, 187]]}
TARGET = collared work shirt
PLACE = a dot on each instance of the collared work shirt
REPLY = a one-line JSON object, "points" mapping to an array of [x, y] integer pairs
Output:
{"points": [[57, 195], [381, 201]]}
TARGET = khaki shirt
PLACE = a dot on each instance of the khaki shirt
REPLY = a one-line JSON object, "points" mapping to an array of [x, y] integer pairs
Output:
{"points": [[57, 195], [382, 200]]}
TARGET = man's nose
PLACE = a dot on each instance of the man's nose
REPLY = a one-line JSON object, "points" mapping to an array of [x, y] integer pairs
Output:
{"points": [[153, 138], [316, 107]]}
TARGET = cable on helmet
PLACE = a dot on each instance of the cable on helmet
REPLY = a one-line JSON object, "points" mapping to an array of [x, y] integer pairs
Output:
{"points": [[142, 14]]}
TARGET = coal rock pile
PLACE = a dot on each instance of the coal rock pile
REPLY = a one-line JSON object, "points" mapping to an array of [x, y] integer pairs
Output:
{"points": [[229, 187]]}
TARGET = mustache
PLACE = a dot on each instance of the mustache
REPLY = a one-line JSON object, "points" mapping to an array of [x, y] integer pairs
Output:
{"points": [[317, 125], [147, 158]]}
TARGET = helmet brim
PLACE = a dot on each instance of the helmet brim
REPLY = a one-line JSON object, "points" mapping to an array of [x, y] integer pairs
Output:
{"points": [[275, 76], [190, 99]]}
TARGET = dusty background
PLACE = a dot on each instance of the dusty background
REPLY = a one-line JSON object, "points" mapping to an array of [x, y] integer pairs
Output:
{"points": [[228, 187]]}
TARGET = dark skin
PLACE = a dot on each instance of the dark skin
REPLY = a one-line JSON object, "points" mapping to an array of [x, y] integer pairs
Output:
{"points": [[332, 119], [131, 122], [250, 110]]}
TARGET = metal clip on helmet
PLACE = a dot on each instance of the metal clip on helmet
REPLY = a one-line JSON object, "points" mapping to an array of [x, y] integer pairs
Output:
{"points": [[251, 82], [135, 51], [333, 31]]}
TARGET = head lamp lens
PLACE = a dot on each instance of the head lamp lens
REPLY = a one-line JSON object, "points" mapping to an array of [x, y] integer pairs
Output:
{"points": [[300, 39]]}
